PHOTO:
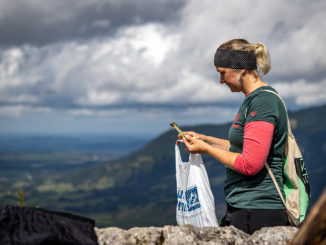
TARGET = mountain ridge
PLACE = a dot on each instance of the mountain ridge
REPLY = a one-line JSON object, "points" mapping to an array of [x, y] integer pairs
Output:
{"points": [[139, 189]]}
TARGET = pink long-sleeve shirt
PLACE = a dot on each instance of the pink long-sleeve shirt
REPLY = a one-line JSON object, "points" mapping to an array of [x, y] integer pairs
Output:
{"points": [[257, 141]]}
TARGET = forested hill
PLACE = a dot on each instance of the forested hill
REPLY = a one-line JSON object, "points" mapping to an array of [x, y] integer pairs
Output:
{"points": [[140, 188]]}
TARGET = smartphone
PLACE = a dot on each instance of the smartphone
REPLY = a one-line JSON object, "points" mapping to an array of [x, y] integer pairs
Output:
{"points": [[178, 129]]}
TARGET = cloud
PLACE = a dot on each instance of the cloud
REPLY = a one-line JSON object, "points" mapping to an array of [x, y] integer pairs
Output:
{"points": [[39, 22], [153, 59], [302, 92], [131, 68]]}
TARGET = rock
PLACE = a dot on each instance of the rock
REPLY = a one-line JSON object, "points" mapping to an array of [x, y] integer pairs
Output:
{"points": [[188, 234], [145, 235], [149, 235], [273, 235]]}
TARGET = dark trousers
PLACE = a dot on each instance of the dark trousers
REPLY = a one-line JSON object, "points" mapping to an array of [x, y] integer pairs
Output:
{"points": [[251, 220]]}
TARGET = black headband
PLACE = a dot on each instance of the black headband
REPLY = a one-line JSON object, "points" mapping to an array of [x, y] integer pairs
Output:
{"points": [[235, 59]]}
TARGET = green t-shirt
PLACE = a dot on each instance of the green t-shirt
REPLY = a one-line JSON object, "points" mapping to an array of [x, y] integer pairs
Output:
{"points": [[258, 191]]}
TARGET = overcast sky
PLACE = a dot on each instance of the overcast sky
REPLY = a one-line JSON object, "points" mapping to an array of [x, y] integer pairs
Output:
{"points": [[136, 65]]}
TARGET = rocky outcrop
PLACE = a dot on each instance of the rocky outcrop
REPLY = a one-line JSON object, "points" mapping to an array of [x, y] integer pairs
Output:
{"points": [[188, 234]]}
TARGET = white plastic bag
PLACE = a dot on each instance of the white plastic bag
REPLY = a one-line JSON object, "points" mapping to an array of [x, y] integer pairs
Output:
{"points": [[195, 199]]}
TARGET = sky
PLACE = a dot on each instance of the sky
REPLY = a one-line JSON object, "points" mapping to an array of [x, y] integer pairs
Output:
{"points": [[134, 66]]}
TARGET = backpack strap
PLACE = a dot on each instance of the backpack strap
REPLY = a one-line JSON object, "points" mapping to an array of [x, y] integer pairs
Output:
{"points": [[289, 125], [266, 164], [275, 182]]}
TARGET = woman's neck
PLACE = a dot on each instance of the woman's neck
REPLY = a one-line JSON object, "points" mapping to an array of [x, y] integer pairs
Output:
{"points": [[251, 83]]}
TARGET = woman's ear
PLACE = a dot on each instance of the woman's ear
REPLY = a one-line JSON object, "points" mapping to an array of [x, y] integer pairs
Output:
{"points": [[243, 72]]}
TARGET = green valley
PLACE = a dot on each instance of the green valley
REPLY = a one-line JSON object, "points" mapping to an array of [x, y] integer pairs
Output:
{"points": [[138, 189]]}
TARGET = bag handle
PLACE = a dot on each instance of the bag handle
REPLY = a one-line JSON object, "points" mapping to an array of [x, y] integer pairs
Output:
{"points": [[177, 153]]}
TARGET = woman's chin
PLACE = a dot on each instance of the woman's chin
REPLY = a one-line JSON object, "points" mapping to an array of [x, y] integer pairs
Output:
{"points": [[233, 90]]}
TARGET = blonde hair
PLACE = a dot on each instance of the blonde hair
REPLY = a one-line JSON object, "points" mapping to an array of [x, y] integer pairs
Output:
{"points": [[261, 52]]}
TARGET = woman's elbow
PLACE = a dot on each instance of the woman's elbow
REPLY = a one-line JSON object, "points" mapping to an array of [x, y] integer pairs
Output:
{"points": [[252, 172], [246, 167]]}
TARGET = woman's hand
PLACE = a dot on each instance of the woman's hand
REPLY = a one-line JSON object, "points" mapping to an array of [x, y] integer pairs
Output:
{"points": [[195, 145], [215, 147], [193, 134]]}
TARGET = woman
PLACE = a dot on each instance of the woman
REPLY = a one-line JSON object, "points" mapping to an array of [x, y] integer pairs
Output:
{"points": [[258, 134]]}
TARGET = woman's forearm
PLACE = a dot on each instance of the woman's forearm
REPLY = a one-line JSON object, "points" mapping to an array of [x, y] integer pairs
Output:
{"points": [[213, 141], [225, 157], [217, 142]]}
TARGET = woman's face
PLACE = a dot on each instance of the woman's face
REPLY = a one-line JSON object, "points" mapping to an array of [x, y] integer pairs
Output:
{"points": [[231, 77]]}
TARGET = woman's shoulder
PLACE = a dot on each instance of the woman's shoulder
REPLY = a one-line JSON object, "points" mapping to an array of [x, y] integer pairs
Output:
{"points": [[264, 104], [265, 95]]}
